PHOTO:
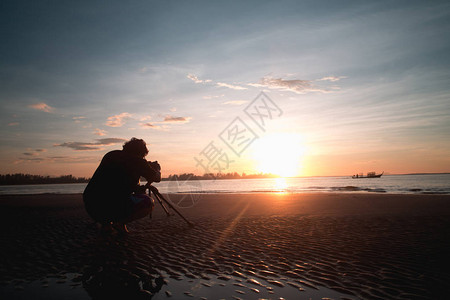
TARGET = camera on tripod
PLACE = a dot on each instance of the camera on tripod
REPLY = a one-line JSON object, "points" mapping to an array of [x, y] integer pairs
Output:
{"points": [[155, 165]]}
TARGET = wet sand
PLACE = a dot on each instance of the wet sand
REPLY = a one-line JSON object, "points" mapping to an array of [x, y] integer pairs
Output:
{"points": [[248, 246]]}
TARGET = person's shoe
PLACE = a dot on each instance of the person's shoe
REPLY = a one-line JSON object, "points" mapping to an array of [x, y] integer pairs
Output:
{"points": [[120, 227]]}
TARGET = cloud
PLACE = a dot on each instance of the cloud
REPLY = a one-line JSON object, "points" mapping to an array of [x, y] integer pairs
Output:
{"points": [[13, 124], [294, 85], [195, 79], [99, 132], [42, 107], [179, 120], [230, 86], [168, 119], [73, 159], [145, 118], [34, 152], [212, 97], [59, 159], [81, 146], [29, 160], [30, 154], [118, 120], [78, 119], [332, 78], [235, 102], [150, 125], [110, 141]]}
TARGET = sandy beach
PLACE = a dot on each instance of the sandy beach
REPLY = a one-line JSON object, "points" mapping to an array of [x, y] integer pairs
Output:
{"points": [[243, 246]]}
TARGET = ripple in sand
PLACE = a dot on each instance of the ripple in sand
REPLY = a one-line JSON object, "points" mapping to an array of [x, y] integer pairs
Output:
{"points": [[254, 281], [267, 273], [238, 284], [275, 282], [224, 277]]}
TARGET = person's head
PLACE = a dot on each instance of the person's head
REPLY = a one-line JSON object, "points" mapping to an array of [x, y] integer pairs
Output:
{"points": [[136, 147]]}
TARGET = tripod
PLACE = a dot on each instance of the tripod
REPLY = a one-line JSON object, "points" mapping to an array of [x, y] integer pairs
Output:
{"points": [[162, 200]]}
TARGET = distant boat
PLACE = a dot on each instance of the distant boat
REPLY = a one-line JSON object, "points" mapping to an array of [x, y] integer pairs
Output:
{"points": [[369, 175]]}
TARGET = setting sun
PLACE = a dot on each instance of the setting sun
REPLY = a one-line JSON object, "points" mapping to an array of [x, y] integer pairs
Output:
{"points": [[279, 154]]}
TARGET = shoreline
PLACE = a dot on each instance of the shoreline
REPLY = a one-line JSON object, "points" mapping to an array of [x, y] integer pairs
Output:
{"points": [[350, 192], [336, 245]]}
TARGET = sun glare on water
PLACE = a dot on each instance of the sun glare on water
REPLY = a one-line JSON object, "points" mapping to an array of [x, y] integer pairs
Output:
{"points": [[281, 184], [279, 154]]}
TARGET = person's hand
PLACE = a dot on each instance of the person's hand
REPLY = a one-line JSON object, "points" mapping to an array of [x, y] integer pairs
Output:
{"points": [[140, 189]]}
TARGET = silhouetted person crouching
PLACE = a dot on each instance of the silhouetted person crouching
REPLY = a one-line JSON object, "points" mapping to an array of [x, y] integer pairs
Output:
{"points": [[112, 196]]}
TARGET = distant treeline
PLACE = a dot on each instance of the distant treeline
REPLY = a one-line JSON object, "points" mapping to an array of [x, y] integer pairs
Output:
{"points": [[213, 176], [15, 179]]}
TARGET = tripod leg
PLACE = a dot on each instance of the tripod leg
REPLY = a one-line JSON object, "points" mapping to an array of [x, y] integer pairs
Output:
{"points": [[162, 204], [172, 207]]}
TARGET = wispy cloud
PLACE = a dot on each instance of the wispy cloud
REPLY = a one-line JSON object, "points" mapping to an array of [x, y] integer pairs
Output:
{"points": [[164, 124], [34, 152], [30, 154], [118, 120], [195, 79], [99, 132], [231, 86], [59, 159], [235, 102], [332, 78], [29, 160], [213, 97], [42, 107], [150, 125], [78, 119], [179, 120], [145, 118], [82, 146], [294, 85]]}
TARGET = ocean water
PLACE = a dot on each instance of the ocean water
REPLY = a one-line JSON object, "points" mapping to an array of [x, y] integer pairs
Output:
{"points": [[395, 184]]}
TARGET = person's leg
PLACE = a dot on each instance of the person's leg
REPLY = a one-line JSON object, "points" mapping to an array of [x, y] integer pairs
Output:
{"points": [[97, 211], [140, 206]]}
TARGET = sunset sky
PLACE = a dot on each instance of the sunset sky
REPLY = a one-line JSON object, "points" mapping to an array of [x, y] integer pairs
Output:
{"points": [[355, 86]]}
